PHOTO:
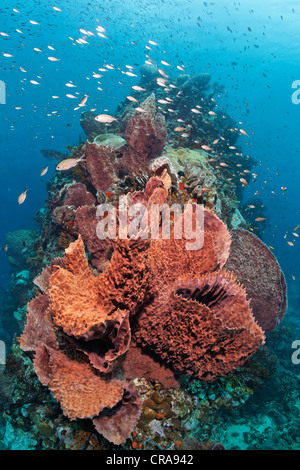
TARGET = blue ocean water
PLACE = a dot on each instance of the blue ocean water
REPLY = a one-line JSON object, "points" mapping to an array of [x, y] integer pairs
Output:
{"points": [[249, 47]]}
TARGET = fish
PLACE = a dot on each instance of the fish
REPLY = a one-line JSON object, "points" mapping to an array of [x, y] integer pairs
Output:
{"points": [[260, 219], [130, 74], [22, 196], [243, 132], [296, 228], [205, 147], [5, 248], [131, 98], [44, 171], [163, 73], [83, 101], [69, 163], [105, 118], [290, 243], [138, 88], [245, 182]]}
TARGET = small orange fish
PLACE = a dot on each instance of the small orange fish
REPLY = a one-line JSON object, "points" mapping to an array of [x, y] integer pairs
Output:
{"points": [[105, 118], [69, 163], [83, 101], [296, 228], [138, 88], [290, 243], [22, 196], [205, 147], [242, 180], [44, 171], [260, 219], [131, 98]]}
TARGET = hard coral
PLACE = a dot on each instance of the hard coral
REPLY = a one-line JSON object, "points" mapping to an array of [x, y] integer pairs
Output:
{"points": [[80, 392], [100, 165], [86, 221], [74, 330], [117, 424], [77, 195], [257, 268], [145, 135], [208, 328]]}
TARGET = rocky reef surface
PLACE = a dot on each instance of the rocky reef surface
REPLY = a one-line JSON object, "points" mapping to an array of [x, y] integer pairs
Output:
{"points": [[139, 343]]}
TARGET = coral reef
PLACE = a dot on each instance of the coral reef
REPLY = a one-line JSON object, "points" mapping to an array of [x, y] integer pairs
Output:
{"points": [[140, 342]]}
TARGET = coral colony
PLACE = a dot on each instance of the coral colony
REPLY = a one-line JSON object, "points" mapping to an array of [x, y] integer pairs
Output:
{"points": [[121, 320]]}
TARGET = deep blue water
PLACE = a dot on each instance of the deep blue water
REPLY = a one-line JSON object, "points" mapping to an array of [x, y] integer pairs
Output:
{"points": [[251, 47]]}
